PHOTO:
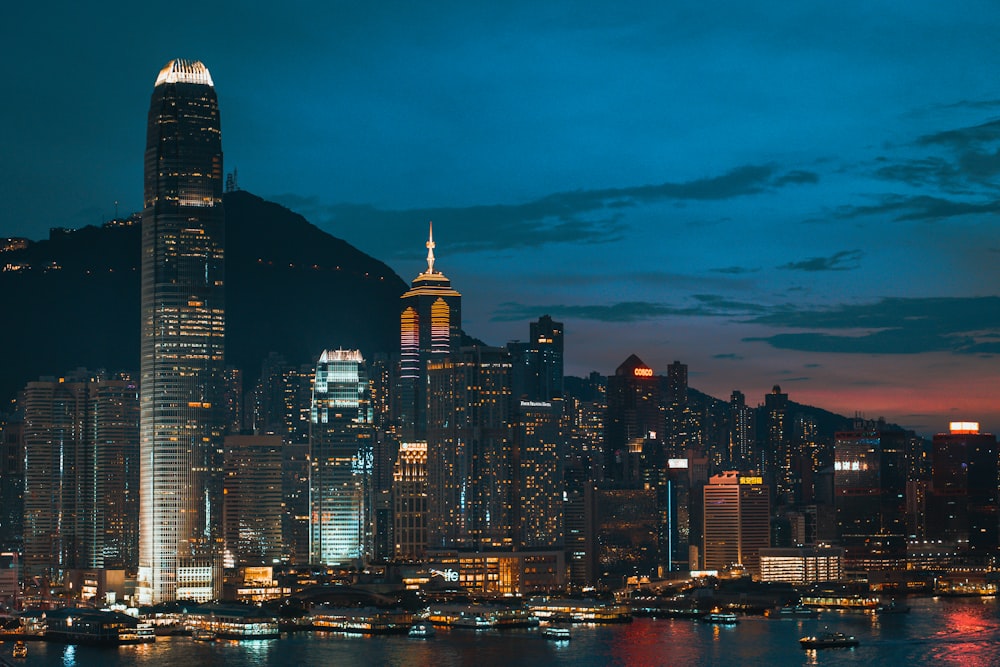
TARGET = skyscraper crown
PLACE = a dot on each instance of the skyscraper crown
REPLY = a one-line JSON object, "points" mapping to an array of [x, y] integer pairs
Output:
{"points": [[180, 70]]}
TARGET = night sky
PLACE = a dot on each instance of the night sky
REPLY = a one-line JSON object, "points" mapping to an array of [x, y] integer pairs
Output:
{"points": [[803, 194]]}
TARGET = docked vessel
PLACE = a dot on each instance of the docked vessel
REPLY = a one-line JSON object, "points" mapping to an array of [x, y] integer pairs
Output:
{"points": [[828, 640]]}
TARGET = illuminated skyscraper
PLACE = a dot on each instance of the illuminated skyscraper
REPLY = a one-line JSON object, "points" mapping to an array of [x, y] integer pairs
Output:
{"points": [[253, 499], [80, 481], [340, 460], [183, 323], [633, 429], [964, 503], [537, 365], [741, 450], [430, 326], [538, 464], [737, 521], [409, 494], [777, 447], [869, 483], [469, 459]]}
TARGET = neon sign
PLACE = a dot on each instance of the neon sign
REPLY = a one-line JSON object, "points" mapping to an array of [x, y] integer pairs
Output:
{"points": [[643, 372]]}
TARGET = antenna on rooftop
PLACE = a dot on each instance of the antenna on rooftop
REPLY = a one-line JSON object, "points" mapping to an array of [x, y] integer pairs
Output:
{"points": [[231, 184]]}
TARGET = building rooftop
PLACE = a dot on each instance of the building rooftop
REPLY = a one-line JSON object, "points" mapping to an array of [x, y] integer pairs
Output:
{"points": [[180, 70]]}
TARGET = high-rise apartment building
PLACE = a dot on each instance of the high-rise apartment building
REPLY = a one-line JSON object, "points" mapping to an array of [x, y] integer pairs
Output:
{"points": [[340, 461], [183, 327], [430, 327], [80, 475]]}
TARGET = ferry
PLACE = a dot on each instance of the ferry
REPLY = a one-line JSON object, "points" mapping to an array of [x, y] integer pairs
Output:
{"points": [[581, 611], [556, 631], [232, 621], [828, 640], [845, 602], [720, 617], [20, 650], [422, 630], [363, 620], [481, 616], [892, 607], [792, 611], [203, 635]]}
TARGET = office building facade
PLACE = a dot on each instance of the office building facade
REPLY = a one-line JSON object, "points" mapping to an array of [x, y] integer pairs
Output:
{"points": [[737, 521]]}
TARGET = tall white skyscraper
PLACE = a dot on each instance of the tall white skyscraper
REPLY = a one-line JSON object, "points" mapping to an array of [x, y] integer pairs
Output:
{"points": [[183, 326]]}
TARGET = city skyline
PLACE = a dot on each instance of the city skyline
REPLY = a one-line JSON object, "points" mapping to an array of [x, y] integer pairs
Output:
{"points": [[803, 199]]}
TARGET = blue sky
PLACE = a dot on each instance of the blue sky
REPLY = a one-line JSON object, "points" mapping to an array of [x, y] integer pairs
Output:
{"points": [[801, 195]]}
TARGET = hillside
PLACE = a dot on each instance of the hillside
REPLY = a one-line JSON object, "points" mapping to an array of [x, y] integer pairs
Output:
{"points": [[291, 288]]}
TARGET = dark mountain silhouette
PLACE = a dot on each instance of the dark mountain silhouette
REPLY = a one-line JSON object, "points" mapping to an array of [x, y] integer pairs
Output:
{"points": [[290, 288]]}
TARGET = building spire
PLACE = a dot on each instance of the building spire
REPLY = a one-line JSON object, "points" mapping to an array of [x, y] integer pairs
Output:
{"points": [[430, 250]]}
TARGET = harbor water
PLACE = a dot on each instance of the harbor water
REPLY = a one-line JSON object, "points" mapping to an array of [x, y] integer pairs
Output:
{"points": [[937, 631]]}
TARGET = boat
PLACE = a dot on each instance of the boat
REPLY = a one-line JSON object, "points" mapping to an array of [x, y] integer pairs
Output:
{"points": [[203, 635], [720, 617], [422, 629], [828, 640], [556, 631], [20, 649], [792, 611], [892, 607]]}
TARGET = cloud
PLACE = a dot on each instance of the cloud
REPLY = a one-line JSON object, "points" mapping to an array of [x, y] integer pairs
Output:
{"points": [[962, 325], [963, 138], [845, 260], [627, 311], [723, 305], [972, 164], [797, 176], [903, 208], [935, 171], [734, 270], [579, 216], [728, 355]]}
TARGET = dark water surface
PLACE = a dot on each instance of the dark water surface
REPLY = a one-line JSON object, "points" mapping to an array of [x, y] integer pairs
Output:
{"points": [[944, 631]]}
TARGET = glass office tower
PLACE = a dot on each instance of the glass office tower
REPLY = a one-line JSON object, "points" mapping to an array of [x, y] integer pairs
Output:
{"points": [[183, 325]]}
